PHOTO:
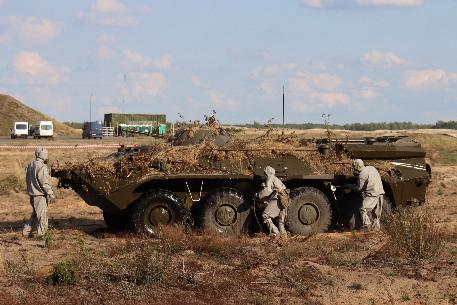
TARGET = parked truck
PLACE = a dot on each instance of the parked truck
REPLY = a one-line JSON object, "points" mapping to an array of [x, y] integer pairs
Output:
{"points": [[92, 130], [20, 130], [224, 202]]}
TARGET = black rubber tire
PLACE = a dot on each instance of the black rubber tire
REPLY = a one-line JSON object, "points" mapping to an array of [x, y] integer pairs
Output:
{"points": [[224, 199], [116, 222], [320, 204], [140, 214]]}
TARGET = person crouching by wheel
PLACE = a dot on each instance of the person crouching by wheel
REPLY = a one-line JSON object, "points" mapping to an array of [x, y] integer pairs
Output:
{"points": [[276, 197]]}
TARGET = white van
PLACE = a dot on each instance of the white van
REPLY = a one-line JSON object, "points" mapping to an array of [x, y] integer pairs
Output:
{"points": [[43, 129], [20, 130]]}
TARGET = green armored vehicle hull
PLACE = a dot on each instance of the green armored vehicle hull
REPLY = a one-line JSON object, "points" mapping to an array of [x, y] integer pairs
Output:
{"points": [[224, 202]]}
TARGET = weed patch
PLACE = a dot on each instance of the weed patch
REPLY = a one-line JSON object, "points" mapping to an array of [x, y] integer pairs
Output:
{"points": [[50, 241], [355, 286], [414, 234], [65, 273]]}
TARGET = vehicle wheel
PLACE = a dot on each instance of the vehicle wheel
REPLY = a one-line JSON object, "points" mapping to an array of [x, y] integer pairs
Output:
{"points": [[225, 211], [309, 211], [156, 207], [115, 222]]}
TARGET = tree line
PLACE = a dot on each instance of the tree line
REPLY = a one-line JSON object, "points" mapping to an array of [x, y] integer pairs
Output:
{"points": [[353, 126], [360, 126]]}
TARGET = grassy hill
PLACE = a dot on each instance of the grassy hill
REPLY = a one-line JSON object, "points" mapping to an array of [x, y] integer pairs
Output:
{"points": [[12, 110]]}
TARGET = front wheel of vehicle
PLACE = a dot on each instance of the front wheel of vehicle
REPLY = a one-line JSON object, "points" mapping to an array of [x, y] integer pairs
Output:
{"points": [[155, 208], [309, 211]]}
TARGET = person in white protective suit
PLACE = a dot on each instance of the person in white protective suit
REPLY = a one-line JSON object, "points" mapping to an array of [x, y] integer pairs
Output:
{"points": [[273, 192], [370, 185], [40, 192]]}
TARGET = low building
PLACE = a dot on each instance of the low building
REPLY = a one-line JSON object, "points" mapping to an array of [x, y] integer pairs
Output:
{"points": [[114, 119]]}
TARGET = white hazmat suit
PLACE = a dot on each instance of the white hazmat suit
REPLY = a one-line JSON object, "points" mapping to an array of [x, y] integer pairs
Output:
{"points": [[274, 208], [40, 192], [370, 184]]}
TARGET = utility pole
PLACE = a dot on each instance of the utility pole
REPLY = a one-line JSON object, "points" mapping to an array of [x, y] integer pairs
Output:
{"points": [[283, 122], [90, 107], [123, 95], [123, 99]]}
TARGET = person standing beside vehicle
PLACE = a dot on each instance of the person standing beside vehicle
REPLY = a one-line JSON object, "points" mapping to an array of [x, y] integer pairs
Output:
{"points": [[370, 185], [40, 192]]}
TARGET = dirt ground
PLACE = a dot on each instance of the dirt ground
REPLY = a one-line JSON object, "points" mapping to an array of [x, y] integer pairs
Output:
{"points": [[196, 268]]}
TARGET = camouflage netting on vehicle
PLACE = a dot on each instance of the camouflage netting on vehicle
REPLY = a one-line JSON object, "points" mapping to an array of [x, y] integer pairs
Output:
{"points": [[236, 156], [206, 158]]}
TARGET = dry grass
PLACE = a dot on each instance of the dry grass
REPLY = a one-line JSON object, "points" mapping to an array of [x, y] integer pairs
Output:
{"points": [[414, 234], [441, 149], [199, 268]]}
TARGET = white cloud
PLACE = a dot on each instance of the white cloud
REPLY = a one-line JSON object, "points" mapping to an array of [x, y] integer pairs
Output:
{"points": [[331, 98], [4, 38], [399, 3], [217, 98], [147, 84], [313, 92], [298, 86], [108, 6], [274, 70], [220, 100], [430, 78], [49, 101], [308, 81], [384, 59], [108, 13], [369, 88], [133, 57], [375, 83], [36, 69], [32, 30], [106, 39], [105, 53], [196, 81], [320, 101], [347, 4], [267, 87], [366, 92], [324, 81]]}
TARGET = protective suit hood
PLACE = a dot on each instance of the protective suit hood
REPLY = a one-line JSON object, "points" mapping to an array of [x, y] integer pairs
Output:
{"points": [[357, 166], [269, 171], [41, 153]]}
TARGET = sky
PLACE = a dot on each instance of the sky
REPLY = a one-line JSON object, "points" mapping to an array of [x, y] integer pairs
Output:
{"points": [[357, 60]]}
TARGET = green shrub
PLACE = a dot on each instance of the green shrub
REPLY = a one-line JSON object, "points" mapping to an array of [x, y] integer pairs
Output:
{"points": [[49, 240], [355, 286], [65, 273]]}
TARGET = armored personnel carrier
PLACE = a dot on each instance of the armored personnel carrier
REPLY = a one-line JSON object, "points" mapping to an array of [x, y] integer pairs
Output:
{"points": [[223, 200]]}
